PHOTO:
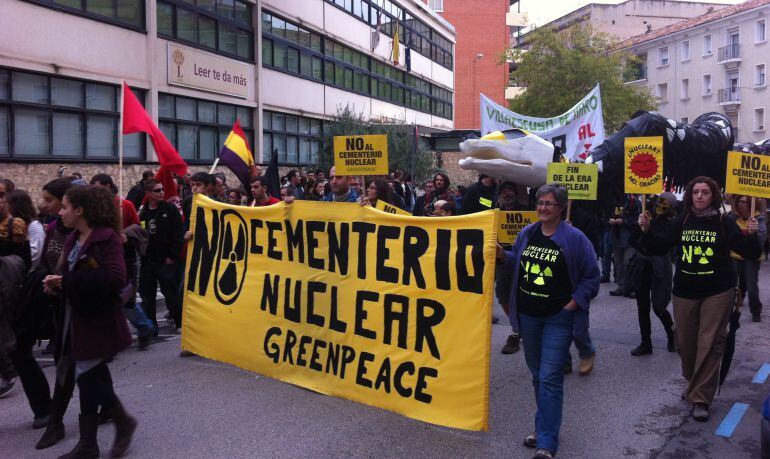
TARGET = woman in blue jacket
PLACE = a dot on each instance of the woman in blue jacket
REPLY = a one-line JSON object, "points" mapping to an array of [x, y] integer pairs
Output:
{"points": [[555, 275]]}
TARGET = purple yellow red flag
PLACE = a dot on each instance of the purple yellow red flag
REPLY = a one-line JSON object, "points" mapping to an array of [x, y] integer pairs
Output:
{"points": [[236, 155]]}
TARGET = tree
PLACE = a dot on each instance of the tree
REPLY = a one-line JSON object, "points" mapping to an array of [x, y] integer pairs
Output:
{"points": [[560, 69], [400, 142]]}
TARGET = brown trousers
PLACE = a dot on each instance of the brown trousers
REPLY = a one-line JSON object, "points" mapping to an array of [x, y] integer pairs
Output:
{"points": [[701, 329]]}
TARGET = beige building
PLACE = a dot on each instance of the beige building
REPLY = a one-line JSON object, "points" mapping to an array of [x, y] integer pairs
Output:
{"points": [[282, 67], [713, 62]]}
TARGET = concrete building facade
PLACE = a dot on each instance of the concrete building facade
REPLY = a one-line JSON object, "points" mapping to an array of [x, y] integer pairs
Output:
{"points": [[282, 67], [713, 62]]}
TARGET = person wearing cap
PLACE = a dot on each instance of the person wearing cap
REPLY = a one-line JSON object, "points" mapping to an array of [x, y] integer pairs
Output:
{"points": [[651, 275]]}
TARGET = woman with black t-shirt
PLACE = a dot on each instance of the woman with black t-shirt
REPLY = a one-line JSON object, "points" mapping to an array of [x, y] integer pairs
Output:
{"points": [[703, 283]]}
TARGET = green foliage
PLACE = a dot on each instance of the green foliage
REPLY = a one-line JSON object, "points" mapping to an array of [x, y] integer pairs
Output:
{"points": [[560, 69], [400, 142]]}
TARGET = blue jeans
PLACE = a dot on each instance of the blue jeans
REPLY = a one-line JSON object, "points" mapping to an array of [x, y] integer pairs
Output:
{"points": [[546, 346], [606, 253], [584, 346], [144, 326]]}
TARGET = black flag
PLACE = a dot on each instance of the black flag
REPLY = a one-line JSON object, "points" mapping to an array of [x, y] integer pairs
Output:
{"points": [[273, 178]]}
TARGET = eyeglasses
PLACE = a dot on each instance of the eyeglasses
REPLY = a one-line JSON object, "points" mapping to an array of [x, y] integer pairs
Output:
{"points": [[157, 190], [547, 204]]}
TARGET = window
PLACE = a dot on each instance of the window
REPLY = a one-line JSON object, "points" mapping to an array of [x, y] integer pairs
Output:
{"points": [[759, 76], [685, 51], [124, 13], [198, 128], [684, 92], [661, 92], [437, 5], [684, 120], [296, 138], [759, 119], [759, 31], [290, 48], [707, 51], [223, 26], [663, 56], [706, 85], [45, 116]]}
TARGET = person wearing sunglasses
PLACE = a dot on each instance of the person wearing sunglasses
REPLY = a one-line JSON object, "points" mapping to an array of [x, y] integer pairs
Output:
{"points": [[747, 269], [555, 276]]}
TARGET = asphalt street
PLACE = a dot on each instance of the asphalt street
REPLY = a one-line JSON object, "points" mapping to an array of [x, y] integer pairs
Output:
{"points": [[629, 406]]}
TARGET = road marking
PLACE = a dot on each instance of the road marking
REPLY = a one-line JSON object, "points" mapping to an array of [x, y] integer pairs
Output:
{"points": [[762, 374], [731, 421]]}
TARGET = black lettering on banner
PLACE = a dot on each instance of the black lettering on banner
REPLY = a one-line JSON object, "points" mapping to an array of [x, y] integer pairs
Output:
{"points": [[474, 239], [204, 251], [314, 365], [334, 322], [253, 246], [443, 243], [272, 350], [386, 273], [398, 377], [295, 241], [338, 248], [412, 253], [391, 316], [313, 227], [363, 229], [426, 323], [361, 313], [291, 340], [363, 358], [348, 355], [270, 294], [422, 373], [272, 241], [304, 340], [333, 358], [289, 312], [312, 288], [383, 376]]}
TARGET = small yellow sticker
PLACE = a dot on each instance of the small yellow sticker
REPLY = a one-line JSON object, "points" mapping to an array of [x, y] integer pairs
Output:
{"points": [[485, 202]]}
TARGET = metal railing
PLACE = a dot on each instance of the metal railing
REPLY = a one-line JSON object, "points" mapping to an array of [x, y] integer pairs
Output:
{"points": [[730, 52], [730, 95]]}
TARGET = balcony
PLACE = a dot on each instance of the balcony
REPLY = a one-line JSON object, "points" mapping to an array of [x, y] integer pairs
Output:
{"points": [[730, 54], [729, 96]]}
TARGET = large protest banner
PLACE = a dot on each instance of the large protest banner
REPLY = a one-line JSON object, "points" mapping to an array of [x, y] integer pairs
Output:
{"points": [[389, 310], [576, 132], [748, 174]]}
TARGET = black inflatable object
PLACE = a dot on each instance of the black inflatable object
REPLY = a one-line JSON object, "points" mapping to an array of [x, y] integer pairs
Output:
{"points": [[689, 150]]}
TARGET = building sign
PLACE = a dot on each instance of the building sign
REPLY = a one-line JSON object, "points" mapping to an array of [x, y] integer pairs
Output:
{"points": [[510, 224], [643, 165], [361, 154], [748, 174], [580, 180], [196, 69], [575, 132]]}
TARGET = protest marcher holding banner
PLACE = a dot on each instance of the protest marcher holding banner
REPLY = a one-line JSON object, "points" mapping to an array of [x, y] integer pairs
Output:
{"points": [[379, 190], [747, 269], [555, 276], [703, 294]]}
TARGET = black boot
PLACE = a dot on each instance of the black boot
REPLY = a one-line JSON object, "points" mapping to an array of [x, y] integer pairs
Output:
{"points": [[642, 349], [86, 447], [511, 345], [125, 425], [54, 433], [671, 344]]}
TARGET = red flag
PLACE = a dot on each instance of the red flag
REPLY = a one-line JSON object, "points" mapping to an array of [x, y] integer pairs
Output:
{"points": [[136, 119]]}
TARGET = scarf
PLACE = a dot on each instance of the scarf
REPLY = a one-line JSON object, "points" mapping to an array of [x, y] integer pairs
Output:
{"points": [[706, 213]]}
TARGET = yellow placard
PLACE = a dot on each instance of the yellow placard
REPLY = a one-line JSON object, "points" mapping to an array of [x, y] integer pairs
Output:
{"points": [[361, 155], [643, 165], [348, 301], [389, 208], [748, 174], [581, 180], [510, 224]]}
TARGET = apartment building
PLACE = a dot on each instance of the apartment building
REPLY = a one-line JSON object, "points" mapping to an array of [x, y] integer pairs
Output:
{"points": [[712, 62], [282, 67]]}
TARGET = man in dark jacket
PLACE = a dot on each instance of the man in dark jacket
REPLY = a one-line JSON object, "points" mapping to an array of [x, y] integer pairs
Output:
{"points": [[622, 225], [159, 264], [136, 193], [480, 196]]}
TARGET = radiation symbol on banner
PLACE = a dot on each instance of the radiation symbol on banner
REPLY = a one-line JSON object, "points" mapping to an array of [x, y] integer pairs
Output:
{"points": [[230, 271], [644, 165]]}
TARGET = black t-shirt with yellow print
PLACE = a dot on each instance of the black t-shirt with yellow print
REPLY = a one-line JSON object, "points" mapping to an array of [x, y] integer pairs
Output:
{"points": [[544, 286]]}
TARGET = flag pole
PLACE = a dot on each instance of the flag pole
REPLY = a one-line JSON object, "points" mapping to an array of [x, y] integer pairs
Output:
{"points": [[120, 150], [214, 166]]}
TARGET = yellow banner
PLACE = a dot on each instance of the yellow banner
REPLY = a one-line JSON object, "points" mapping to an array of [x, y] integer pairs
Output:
{"points": [[510, 224], [644, 165], [389, 208], [349, 301], [361, 155], [748, 174], [580, 180]]}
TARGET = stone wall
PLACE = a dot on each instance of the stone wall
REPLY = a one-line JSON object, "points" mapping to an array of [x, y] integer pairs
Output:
{"points": [[447, 161]]}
